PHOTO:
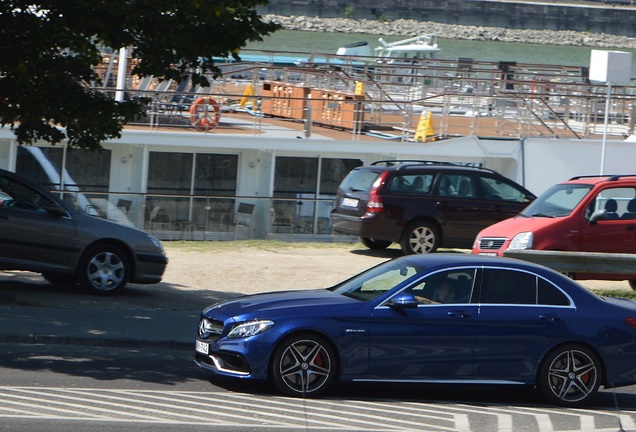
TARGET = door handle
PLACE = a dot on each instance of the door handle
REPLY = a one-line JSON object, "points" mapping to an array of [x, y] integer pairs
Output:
{"points": [[550, 317], [458, 314]]}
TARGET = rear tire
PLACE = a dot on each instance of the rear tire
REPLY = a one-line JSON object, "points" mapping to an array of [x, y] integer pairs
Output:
{"points": [[569, 376], [420, 237], [375, 244], [104, 269], [632, 284]]}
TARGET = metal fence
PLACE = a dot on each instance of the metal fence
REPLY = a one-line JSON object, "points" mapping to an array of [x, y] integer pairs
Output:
{"points": [[181, 217]]}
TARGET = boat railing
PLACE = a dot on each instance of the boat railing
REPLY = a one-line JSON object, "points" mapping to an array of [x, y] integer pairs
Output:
{"points": [[298, 216], [465, 97]]}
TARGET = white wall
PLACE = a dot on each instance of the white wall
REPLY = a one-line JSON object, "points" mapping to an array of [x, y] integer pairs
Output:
{"points": [[549, 161]]}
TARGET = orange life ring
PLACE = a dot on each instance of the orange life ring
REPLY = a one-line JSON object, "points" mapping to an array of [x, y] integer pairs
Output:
{"points": [[205, 113]]}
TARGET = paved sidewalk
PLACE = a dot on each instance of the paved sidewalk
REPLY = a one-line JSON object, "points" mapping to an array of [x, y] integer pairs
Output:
{"points": [[126, 328]]}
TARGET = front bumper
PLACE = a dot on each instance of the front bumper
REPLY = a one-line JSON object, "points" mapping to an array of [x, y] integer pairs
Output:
{"points": [[150, 268], [240, 358], [221, 363]]}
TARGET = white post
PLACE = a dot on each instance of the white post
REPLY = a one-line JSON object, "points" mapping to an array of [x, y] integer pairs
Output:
{"points": [[605, 125], [610, 67], [121, 74]]}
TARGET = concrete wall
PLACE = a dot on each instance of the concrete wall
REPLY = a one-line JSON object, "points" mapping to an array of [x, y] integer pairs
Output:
{"points": [[599, 18]]}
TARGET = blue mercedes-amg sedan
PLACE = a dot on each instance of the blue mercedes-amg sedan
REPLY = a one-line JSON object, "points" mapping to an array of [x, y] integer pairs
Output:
{"points": [[438, 318]]}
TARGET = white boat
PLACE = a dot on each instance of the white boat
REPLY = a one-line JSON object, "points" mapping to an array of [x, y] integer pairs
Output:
{"points": [[403, 51]]}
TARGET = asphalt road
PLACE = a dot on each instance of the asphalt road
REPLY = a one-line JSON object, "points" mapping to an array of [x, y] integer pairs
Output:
{"points": [[125, 363], [73, 388]]}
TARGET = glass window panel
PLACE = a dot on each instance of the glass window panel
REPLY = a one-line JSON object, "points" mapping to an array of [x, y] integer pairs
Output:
{"points": [[170, 173], [295, 175], [215, 174], [551, 295], [495, 188], [508, 287], [38, 164], [333, 171], [90, 171]]}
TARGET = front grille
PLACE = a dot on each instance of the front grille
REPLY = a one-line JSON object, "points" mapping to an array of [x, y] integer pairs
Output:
{"points": [[491, 243], [210, 328]]}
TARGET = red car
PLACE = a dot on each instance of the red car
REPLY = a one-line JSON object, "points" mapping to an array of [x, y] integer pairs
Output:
{"points": [[583, 214]]}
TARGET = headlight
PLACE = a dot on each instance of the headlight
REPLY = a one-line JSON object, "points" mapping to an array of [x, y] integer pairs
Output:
{"points": [[155, 241], [521, 241], [250, 328]]}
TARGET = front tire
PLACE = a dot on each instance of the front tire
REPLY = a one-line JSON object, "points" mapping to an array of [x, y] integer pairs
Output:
{"points": [[104, 269], [303, 366], [569, 376], [420, 237], [632, 284], [374, 244]]}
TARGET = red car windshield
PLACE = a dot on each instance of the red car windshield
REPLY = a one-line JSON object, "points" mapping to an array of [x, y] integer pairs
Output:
{"points": [[558, 201]]}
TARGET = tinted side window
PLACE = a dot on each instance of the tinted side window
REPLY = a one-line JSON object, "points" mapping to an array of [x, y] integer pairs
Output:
{"points": [[411, 183], [449, 287], [496, 188], [448, 185], [457, 185], [17, 195], [618, 203], [501, 286], [551, 295]]}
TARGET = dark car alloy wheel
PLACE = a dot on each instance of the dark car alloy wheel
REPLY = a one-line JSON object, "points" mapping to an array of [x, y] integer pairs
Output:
{"points": [[303, 365], [570, 376], [104, 270], [420, 237]]}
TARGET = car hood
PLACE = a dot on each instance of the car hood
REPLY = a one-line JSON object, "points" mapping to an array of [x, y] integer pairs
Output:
{"points": [[283, 302], [90, 227], [512, 226]]}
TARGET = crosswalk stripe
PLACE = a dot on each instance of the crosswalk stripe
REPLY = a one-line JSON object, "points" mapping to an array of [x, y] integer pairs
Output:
{"points": [[219, 409]]}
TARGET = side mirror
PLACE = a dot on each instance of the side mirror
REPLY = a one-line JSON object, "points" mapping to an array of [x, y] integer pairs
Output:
{"points": [[403, 301], [597, 216], [55, 210]]}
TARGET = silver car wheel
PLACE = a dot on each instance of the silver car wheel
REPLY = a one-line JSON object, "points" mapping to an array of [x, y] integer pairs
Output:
{"points": [[570, 376], [420, 238], [104, 270], [303, 366]]}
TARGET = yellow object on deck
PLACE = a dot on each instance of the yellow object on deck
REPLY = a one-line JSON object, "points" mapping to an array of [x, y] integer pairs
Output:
{"points": [[424, 130], [359, 88], [249, 91]]}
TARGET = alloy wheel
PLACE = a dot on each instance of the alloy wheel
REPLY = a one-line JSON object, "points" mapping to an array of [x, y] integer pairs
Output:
{"points": [[305, 367]]}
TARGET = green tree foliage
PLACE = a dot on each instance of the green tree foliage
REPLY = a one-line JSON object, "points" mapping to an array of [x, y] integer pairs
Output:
{"points": [[49, 50]]}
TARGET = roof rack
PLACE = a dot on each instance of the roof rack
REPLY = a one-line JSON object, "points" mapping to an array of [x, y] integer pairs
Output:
{"points": [[610, 177], [392, 162]]}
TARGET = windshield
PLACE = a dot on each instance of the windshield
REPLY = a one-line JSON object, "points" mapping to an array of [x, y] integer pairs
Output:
{"points": [[378, 280], [558, 201]]}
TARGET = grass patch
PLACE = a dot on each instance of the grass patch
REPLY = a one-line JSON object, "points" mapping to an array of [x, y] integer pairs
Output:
{"points": [[224, 246], [631, 295]]}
